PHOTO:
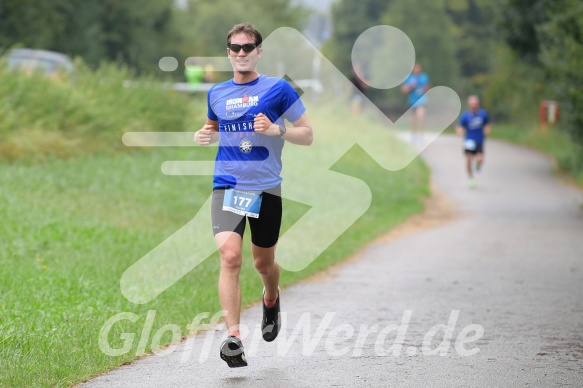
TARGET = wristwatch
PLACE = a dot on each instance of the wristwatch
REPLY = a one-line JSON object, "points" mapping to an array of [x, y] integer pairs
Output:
{"points": [[282, 130]]}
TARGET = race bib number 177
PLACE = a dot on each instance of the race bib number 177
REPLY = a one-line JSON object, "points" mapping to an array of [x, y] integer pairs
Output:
{"points": [[242, 202]]}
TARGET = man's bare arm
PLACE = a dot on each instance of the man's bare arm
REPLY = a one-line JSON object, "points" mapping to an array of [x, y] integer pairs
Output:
{"points": [[208, 134], [301, 133]]}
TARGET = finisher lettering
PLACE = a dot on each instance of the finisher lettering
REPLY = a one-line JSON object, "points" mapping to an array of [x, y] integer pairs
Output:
{"points": [[245, 126]]}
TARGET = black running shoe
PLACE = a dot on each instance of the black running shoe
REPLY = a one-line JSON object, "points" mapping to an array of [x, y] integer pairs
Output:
{"points": [[271, 320], [232, 352]]}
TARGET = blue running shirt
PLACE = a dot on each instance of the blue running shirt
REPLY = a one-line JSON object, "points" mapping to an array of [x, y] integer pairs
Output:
{"points": [[416, 95], [247, 160], [474, 125]]}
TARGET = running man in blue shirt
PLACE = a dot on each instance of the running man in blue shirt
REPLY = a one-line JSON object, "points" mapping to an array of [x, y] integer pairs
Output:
{"points": [[474, 125], [415, 87], [246, 116]]}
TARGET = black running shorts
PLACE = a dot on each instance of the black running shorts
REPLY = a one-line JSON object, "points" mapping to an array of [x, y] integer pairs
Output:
{"points": [[264, 230]]}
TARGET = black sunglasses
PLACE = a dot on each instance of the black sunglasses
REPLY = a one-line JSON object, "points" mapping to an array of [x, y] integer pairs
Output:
{"points": [[246, 47]]}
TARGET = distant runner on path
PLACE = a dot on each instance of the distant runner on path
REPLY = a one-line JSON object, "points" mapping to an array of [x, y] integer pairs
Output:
{"points": [[474, 125], [415, 87]]}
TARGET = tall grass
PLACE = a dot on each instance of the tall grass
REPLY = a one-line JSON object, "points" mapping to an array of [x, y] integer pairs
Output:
{"points": [[42, 118]]}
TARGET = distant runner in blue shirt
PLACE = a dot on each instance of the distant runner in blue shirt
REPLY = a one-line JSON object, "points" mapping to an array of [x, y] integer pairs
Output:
{"points": [[246, 116], [474, 125], [415, 87]]}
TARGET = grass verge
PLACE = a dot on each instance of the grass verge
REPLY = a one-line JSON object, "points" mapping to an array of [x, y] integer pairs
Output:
{"points": [[71, 227], [553, 142]]}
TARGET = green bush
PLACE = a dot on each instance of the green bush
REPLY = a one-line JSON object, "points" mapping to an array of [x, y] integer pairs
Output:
{"points": [[562, 56], [513, 89]]}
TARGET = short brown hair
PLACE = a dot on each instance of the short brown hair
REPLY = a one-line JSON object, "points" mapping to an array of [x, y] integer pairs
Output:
{"points": [[246, 28]]}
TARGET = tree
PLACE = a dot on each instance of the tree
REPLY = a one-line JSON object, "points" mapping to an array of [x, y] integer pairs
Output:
{"points": [[32, 23], [561, 53], [518, 20], [513, 87], [548, 34], [474, 30], [134, 33], [432, 32], [349, 20], [204, 25]]}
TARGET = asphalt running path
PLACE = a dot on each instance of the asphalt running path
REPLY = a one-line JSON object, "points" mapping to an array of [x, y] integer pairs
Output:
{"points": [[506, 256]]}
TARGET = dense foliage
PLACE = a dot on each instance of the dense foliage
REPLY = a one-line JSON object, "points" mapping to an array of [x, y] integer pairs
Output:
{"points": [[135, 33], [514, 53]]}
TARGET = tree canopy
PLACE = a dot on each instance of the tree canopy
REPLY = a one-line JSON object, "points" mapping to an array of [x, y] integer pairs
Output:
{"points": [[548, 35], [136, 33]]}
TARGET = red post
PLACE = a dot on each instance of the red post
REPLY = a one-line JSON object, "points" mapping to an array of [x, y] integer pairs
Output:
{"points": [[548, 113], [542, 115]]}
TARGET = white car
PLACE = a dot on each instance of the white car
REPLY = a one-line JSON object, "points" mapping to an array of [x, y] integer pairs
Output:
{"points": [[51, 63]]}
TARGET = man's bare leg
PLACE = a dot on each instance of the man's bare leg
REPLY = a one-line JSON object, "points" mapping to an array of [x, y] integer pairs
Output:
{"points": [[469, 165], [469, 161], [268, 269], [264, 259], [230, 247], [479, 161], [420, 122]]}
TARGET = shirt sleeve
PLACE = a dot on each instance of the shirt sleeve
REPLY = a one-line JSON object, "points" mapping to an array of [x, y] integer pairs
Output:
{"points": [[464, 120], [210, 113], [291, 105], [486, 118]]}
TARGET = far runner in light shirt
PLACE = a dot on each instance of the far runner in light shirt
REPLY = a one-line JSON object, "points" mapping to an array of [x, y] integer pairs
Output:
{"points": [[415, 87]]}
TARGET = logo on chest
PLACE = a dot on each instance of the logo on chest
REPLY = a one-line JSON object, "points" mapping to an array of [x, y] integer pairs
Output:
{"points": [[242, 102], [245, 146], [476, 123]]}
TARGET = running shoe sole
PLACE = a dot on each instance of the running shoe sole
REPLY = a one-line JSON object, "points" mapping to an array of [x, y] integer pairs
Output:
{"points": [[232, 352]]}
